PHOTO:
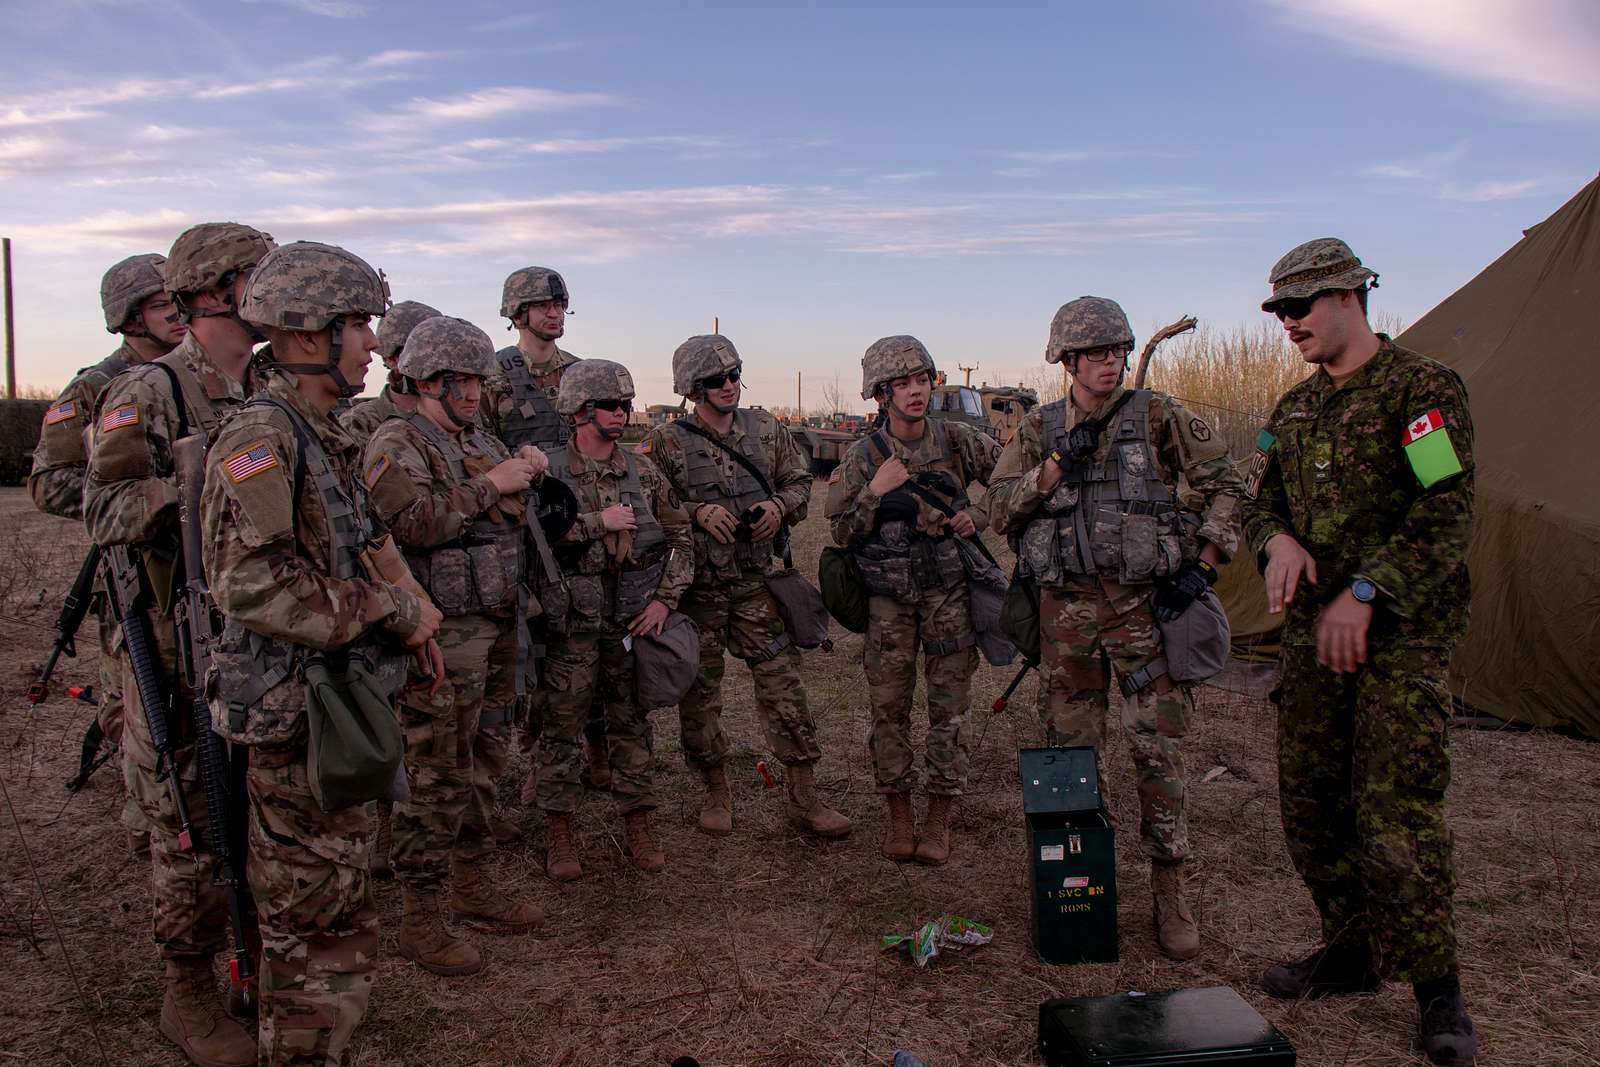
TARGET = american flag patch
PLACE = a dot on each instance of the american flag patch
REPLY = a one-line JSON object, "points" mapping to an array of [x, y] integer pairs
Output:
{"points": [[249, 463], [60, 413], [377, 470], [117, 418]]}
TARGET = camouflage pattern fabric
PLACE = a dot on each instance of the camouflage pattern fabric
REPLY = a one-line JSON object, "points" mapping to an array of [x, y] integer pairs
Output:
{"points": [[895, 630], [362, 419], [127, 284], [441, 344], [445, 816], [580, 670], [202, 255], [1084, 323], [852, 509], [1315, 266], [893, 357], [397, 325], [110, 712], [592, 379], [414, 491], [700, 357], [61, 459], [1082, 635], [531, 285], [306, 285], [498, 725], [497, 408]]}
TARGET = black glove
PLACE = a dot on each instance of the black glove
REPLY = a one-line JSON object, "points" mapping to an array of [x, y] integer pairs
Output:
{"points": [[1082, 440], [1174, 597], [898, 505]]}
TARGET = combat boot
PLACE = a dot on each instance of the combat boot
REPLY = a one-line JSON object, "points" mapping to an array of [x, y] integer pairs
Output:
{"points": [[475, 902], [427, 940], [1445, 1033], [529, 794], [1332, 970], [561, 862], [933, 847], [806, 811], [716, 810], [647, 855], [1176, 931], [382, 843], [192, 1019], [504, 831], [898, 842], [599, 757]]}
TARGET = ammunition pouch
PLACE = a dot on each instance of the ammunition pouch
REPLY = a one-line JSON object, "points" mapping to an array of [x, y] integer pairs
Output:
{"points": [[902, 564], [636, 587]]}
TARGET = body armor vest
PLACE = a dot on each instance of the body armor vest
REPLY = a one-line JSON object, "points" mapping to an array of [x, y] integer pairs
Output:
{"points": [[97, 377], [898, 560], [1117, 518], [705, 482], [532, 418], [588, 565], [483, 569]]}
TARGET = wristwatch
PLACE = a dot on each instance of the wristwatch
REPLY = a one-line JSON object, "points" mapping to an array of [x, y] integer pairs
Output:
{"points": [[1363, 589]]}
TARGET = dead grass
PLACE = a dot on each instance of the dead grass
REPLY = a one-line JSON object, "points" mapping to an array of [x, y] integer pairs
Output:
{"points": [[761, 948]]}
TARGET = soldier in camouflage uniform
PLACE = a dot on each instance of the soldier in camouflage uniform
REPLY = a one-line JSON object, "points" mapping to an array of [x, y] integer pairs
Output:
{"points": [[729, 601], [285, 519], [627, 561], [130, 498], [1362, 490], [451, 495], [1088, 492], [137, 306], [363, 418], [906, 548]]}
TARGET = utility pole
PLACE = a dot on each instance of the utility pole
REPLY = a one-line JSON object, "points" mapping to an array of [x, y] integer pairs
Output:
{"points": [[969, 371], [11, 328], [799, 411], [716, 324]]}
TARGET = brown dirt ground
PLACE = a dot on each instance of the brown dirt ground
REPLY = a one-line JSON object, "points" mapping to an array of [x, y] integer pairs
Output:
{"points": [[762, 948]]}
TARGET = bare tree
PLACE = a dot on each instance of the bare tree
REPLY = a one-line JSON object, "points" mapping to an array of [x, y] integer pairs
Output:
{"points": [[834, 400]]}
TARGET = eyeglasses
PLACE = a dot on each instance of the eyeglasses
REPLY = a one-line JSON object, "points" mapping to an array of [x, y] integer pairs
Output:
{"points": [[1297, 307], [717, 381], [625, 406], [1097, 355]]}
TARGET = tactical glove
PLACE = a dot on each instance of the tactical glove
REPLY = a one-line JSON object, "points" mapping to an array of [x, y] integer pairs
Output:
{"points": [[1174, 597]]}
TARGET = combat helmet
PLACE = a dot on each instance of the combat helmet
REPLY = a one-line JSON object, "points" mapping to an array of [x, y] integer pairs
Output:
{"points": [[398, 323], [1085, 323], [127, 284], [531, 285], [442, 344], [307, 286], [893, 357], [207, 256], [589, 380], [1314, 267], [703, 356]]}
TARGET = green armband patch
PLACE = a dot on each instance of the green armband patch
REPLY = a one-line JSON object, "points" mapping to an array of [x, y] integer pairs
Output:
{"points": [[1428, 447]]}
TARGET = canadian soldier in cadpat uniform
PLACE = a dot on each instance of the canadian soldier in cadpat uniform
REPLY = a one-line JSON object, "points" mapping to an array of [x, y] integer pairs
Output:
{"points": [[729, 600], [1088, 493], [285, 523], [130, 498], [917, 581], [1360, 513], [452, 496], [362, 419]]}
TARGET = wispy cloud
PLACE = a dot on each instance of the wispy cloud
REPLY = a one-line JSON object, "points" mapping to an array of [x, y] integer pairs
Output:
{"points": [[1481, 192], [397, 57], [333, 9], [484, 104], [1441, 173], [1394, 170], [509, 22]]}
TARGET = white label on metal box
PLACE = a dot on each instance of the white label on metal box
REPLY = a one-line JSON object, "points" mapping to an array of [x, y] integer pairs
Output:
{"points": [[1052, 852]]}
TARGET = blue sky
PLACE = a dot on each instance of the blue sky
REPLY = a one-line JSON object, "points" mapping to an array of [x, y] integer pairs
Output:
{"points": [[816, 175]]}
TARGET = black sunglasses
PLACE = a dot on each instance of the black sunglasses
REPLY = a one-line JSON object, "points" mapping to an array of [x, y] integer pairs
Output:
{"points": [[613, 405], [1297, 307], [717, 381]]}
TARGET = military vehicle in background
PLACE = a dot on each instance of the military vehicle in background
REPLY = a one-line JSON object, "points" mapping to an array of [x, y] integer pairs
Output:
{"points": [[19, 435], [824, 438], [998, 409]]}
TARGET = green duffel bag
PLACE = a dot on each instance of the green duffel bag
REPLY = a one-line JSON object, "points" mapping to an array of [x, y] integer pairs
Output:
{"points": [[1019, 616], [844, 592], [355, 744]]}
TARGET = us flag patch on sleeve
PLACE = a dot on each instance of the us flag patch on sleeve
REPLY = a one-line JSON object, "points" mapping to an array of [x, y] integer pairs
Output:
{"points": [[249, 462], [60, 413], [643, 448], [117, 418], [377, 470]]}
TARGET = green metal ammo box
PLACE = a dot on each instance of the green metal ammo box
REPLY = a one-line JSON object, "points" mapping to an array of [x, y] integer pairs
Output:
{"points": [[1072, 859]]}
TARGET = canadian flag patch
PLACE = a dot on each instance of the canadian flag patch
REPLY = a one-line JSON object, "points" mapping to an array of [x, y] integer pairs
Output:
{"points": [[1422, 426]]}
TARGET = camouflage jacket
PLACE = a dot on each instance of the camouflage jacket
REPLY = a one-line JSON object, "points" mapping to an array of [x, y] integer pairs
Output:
{"points": [[62, 457], [494, 413], [130, 494], [267, 554], [852, 505], [1331, 470], [364, 417], [670, 448]]}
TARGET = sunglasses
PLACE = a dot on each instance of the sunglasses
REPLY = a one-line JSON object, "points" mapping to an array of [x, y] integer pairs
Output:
{"points": [[613, 405], [1297, 307], [717, 381]]}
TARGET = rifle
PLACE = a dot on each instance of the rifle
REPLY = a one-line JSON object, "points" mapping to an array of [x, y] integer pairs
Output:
{"points": [[196, 619], [73, 609]]}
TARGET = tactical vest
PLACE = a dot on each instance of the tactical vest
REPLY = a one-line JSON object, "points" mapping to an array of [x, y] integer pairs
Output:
{"points": [[706, 483], [587, 566], [97, 377], [898, 560], [483, 569], [1117, 518], [532, 418]]}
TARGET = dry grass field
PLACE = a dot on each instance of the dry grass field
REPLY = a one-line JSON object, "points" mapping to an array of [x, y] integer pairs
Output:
{"points": [[762, 948]]}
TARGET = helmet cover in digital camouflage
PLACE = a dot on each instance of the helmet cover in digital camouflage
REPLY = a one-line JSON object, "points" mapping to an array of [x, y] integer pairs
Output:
{"points": [[592, 379], [703, 356], [306, 285], [128, 284], [398, 324], [531, 285], [444, 344], [1085, 323], [893, 357], [1314, 267], [204, 255]]}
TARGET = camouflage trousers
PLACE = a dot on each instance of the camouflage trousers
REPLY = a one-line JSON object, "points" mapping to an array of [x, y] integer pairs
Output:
{"points": [[939, 624], [1363, 764], [1083, 633], [740, 617], [319, 927], [110, 710], [497, 726], [189, 913], [581, 670], [445, 815]]}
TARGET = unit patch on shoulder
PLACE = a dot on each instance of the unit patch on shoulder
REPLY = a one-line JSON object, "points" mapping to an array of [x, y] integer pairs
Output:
{"points": [[117, 418], [249, 462], [377, 470], [1199, 430], [1427, 445], [1257, 469], [63, 411]]}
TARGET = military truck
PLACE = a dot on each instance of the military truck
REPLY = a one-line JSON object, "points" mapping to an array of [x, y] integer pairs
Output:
{"points": [[997, 409]]}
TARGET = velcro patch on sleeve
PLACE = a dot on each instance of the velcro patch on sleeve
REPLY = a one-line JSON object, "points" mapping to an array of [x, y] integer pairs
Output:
{"points": [[117, 418], [1429, 449], [643, 448], [249, 462], [377, 471], [390, 489], [63, 411]]}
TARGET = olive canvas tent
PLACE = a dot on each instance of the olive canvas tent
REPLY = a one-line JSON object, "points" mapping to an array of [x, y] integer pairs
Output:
{"points": [[1524, 336]]}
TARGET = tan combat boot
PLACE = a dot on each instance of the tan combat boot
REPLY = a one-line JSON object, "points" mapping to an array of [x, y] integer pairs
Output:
{"points": [[805, 810], [1176, 931], [716, 810], [933, 848], [561, 863], [382, 842], [193, 1020], [427, 940], [647, 855], [599, 757], [529, 794], [899, 843], [504, 831], [476, 903]]}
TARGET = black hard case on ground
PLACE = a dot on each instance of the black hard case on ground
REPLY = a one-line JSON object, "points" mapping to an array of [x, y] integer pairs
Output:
{"points": [[1203, 1027], [1072, 858]]}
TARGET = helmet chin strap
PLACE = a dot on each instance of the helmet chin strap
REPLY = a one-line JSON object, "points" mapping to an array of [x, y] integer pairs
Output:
{"points": [[330, 368], [232, 312], [894, 409], [450, 389]]}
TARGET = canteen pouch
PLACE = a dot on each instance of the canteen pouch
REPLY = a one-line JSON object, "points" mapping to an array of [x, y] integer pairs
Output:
{"points": [[354, 740]]}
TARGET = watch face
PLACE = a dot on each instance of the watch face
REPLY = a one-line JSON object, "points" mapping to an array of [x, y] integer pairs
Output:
{"points": [[1363, 590]]}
